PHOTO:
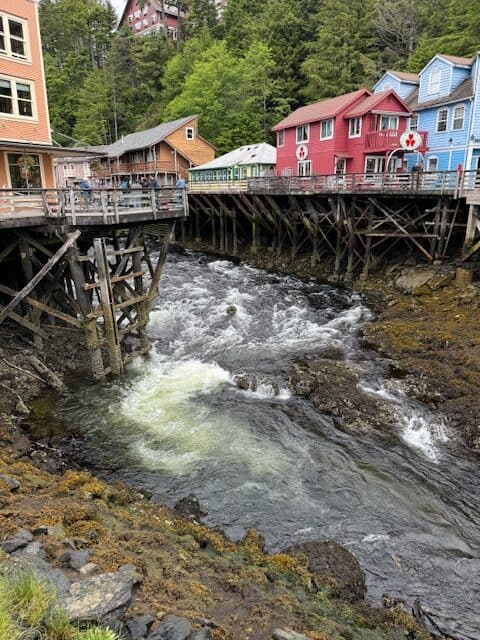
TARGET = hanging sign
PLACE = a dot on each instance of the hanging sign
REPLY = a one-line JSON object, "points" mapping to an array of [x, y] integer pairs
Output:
{"points": [[302, 152], [410, 140]]}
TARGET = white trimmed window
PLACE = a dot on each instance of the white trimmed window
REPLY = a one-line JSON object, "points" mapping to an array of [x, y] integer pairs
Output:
{"points": [[305, 168], [355, 128], [303, 133], [326, 129], [435, 81], [387, 86], [190, 133], [16, 98], [13, 37], [281, 138], [442, 120], [388, 122], [458, 118], [432, 163], [413, 123]]}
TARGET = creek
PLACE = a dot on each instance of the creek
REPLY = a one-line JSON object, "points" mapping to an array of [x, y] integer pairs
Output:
{"points": [[177, 424]]}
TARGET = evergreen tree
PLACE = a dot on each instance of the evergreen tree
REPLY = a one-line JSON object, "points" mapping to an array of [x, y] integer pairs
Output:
{"points": [[342, 58]]}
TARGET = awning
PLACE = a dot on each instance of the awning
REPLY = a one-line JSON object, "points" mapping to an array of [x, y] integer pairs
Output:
{"points": [[59, 152], [343, 156]]}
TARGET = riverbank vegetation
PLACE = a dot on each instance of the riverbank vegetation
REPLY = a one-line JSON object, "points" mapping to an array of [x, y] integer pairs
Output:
{"points": [[240, 73]]}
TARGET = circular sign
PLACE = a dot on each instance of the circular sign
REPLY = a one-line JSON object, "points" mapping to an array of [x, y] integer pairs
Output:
{"points": [[302, 152], [410, 140]]}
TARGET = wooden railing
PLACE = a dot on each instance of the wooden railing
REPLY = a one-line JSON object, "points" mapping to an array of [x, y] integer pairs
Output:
{"points": [[92, 206], [453, 183], [128, 168]]}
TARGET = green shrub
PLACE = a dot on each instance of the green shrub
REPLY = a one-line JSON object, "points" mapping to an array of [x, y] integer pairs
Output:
{"points": [[95, 633], [26, 597], [57, 627], [8, 628]]}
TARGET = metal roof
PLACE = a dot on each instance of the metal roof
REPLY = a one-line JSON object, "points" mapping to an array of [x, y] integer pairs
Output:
{"points": [[261, 153], [140, 139], [321, 110]]}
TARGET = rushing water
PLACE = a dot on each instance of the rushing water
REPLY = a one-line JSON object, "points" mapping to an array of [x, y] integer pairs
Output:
{"points": [[177, 424]]}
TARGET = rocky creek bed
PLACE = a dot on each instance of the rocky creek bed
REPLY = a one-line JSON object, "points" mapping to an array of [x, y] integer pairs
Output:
{"points": [[94, 535]]}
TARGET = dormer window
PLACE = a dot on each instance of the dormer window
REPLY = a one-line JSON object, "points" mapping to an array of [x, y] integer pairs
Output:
{"points": [[190, 133], [435, 80]]}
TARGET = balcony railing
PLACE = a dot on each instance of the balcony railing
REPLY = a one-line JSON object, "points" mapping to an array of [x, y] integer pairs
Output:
{"points": [[135, 168], [92, 206], [388, 139]]}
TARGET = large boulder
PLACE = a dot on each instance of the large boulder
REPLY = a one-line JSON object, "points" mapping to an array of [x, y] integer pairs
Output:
{"points": [[101, 598], [288, 634], [329, 559]]}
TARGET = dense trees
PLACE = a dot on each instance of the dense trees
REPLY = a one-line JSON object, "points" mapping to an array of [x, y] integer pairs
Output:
{"points": [[242, 73]]}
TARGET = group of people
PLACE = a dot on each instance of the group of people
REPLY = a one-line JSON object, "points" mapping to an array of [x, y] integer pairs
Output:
{"points": [[138, 186]]}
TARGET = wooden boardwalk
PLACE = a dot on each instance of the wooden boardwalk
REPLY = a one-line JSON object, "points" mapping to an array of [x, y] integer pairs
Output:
{"points": [[88, 262]]}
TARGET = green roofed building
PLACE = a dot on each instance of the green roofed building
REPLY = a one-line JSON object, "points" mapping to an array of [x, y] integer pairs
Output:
{"points": [[235, 168]]}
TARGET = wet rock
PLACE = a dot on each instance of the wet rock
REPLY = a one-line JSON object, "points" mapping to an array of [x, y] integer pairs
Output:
{"points": [[246, 382], [201, 634], [75, 559], [102, 598], [41, 531], [172, 628], [190, 508], [287, 634], [22, 538], [138, 628], [327, 558], [35, 549], [12, 484], [231, 310]]}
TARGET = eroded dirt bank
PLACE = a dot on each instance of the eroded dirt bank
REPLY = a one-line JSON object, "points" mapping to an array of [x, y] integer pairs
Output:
{"points": [[231, 591]]}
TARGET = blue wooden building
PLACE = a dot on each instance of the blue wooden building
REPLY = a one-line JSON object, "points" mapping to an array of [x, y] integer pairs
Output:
{"points": [[445, 97]]}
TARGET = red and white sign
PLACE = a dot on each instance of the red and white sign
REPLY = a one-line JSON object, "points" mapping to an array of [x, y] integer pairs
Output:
{"points": [[302, 152], [410, 140]]}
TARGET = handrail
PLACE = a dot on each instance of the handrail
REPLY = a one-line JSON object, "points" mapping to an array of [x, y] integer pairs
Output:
{"points": [[107, 204]]}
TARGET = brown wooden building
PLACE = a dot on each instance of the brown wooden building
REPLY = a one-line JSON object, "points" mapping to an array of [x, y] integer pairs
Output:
{"points": [[164, 152]]}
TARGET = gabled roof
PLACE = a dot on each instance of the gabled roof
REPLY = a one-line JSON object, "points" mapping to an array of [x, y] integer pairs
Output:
{"points": [[462, 92], [153, 3], [262, 153], [141, 139], [375, 100], [405, 76], [455, 61], [328, 108]]}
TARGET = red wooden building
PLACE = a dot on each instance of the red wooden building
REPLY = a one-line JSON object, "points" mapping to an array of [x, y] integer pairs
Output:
{"points": [[155, 16], [352, 133]]}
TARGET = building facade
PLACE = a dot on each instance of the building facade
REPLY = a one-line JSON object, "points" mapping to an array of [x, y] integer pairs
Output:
{"points": [[233, 168], [25, 140], [353, 133], [157, 16], [446, 103], [72, 171], [163, 152]]}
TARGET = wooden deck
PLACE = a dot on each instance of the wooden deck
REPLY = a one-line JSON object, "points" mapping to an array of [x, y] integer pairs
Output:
{"points": [[438, 183], [98, 207]]}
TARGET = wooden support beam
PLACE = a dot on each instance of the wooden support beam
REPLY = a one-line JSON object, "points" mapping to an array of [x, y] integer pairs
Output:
{"points": [[71, 238], [43, 307], [8, 250]]}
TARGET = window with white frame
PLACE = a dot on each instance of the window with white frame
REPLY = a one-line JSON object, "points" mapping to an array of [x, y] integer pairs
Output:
{"points": [[388, 122], [458, 118], [16, 97], [326, 129], [190, 133], [305, 168], [355, 127], [387, 86], [442, 120], [13, 37], [281, 138], [435, 80], [413, 126], [432, 163], [303, 133]]}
